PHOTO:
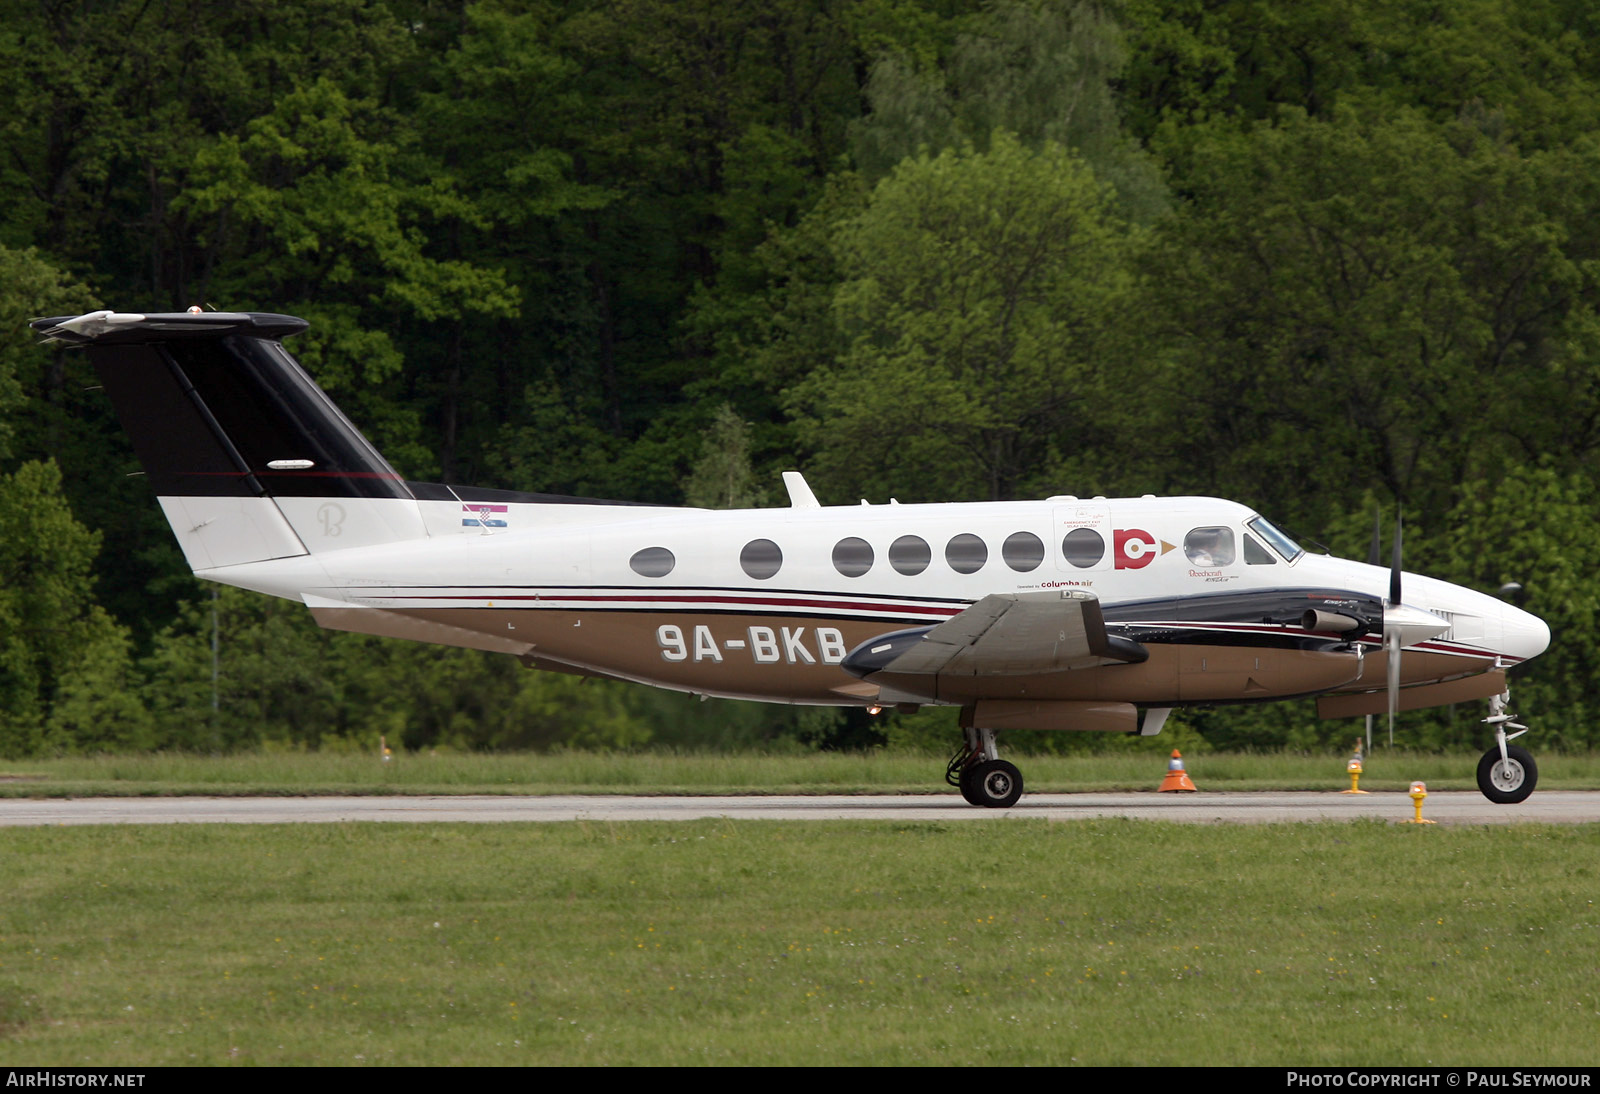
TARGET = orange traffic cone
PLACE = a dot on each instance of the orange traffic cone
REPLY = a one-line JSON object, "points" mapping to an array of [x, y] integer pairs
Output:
{"points": [[1177, 778]]}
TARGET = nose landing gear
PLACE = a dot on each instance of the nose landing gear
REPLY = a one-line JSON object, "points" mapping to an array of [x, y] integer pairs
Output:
{"points": [[1506, 773], [982, 777]]}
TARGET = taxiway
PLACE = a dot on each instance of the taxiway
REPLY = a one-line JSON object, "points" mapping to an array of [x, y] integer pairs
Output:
{"points": [[1452, 807]]}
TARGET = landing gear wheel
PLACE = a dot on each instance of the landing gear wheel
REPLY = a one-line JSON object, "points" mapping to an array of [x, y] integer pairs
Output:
{"points": [[995, 784], [969, 784], [1507, 781]]}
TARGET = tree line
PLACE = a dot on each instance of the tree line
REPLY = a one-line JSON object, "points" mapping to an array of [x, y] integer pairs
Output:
{"points": [[1327, 259]]}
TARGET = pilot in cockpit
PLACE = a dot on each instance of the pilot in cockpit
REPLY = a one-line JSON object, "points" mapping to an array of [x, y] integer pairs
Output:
{"points": [[1209, 547]]}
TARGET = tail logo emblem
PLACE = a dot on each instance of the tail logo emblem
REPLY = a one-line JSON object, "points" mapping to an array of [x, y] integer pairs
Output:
{"points": [[332, 516]]}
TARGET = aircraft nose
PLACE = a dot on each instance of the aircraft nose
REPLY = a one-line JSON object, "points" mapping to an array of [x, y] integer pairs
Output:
{"points": [[1523, 634]]}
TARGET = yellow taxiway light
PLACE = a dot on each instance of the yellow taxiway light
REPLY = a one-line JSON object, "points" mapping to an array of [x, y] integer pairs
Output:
{"points": [[1419, 791]]}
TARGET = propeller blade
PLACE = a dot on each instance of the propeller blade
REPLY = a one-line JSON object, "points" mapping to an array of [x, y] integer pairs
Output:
{"points": [[1375, 556], [1394, 679], [1394, 569]]}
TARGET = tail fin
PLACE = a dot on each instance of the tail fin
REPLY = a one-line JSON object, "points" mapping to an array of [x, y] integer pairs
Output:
{"points": [[250, 458]]}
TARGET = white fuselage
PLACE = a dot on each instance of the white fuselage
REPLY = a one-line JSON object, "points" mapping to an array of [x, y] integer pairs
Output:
{"points": [[765, 603]]}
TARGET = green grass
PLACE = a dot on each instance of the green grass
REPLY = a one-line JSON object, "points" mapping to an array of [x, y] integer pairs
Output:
{"points": [[1138, 767], [992, 942]]}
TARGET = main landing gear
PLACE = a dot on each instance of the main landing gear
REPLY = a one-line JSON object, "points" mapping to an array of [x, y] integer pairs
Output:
{"points": [[981, 775], [1506, 773]]}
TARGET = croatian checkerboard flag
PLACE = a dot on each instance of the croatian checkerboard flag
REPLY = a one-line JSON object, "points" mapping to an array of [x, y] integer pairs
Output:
{"points": [[484, 516]]}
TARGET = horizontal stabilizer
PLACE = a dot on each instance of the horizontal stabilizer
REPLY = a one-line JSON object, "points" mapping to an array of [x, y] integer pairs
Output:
{"points": [[109, 328], [220, 531]]}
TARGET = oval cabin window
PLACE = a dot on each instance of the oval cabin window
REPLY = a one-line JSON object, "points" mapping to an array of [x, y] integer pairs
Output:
{"points": [[1023, 551], [966, 553], [910, 555], [852, 557], [761, 558], [1083, 547], [653, 562]]}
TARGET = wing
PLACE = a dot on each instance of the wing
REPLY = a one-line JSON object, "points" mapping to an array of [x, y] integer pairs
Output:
{"points": [[1004, 634]]}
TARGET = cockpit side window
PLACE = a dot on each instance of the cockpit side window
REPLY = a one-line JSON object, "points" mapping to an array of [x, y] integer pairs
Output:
{"points": [[1255, 554], [1209, 546], [1276, 539]]}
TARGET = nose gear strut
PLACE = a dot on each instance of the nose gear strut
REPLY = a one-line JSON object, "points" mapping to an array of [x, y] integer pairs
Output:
{"points": [[1506, 773]]}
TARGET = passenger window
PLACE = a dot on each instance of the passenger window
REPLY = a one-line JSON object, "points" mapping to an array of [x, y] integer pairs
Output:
{"points": [[966, 553], [852, 557], [652, 562], [1083, 547], [761, 558], [1209, 547], [1023, 551], [1255, 554], [910, 555]]}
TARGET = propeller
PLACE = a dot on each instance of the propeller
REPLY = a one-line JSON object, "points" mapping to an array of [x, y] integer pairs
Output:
{"points": [[1391, 635], [1394, 565], [1374, 557], [1403, 624]]}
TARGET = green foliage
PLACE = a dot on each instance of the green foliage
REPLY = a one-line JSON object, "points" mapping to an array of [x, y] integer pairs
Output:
{"points": [[1538, 527], [52, 408], [504, 92], [56, 643], [976, 311], [99, 704], [1369, 300], [280, 679], [559, 450], [29, 287], [329, 185], [1040, 71], [722, 478], [1519, 63]]}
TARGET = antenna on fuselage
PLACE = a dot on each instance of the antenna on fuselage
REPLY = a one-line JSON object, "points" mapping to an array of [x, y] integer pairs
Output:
{"points": [[800, 495]]}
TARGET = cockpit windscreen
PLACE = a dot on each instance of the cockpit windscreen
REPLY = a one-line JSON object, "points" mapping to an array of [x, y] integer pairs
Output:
{"points": [[1278, 540]]}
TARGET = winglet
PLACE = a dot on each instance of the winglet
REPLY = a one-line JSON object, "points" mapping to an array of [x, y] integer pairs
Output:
{"points": [[800, 495]]}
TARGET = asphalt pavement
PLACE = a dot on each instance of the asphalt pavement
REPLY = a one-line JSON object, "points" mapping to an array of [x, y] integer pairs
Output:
{"points": [[1451, 808]]}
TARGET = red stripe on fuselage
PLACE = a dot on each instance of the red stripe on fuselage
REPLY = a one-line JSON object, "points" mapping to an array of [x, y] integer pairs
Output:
{"points": [[743, 601]]}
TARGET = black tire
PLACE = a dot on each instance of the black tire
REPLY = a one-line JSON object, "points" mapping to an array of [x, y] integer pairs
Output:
{"points": [[969, 784], [1510, 781], [996, 784]]}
